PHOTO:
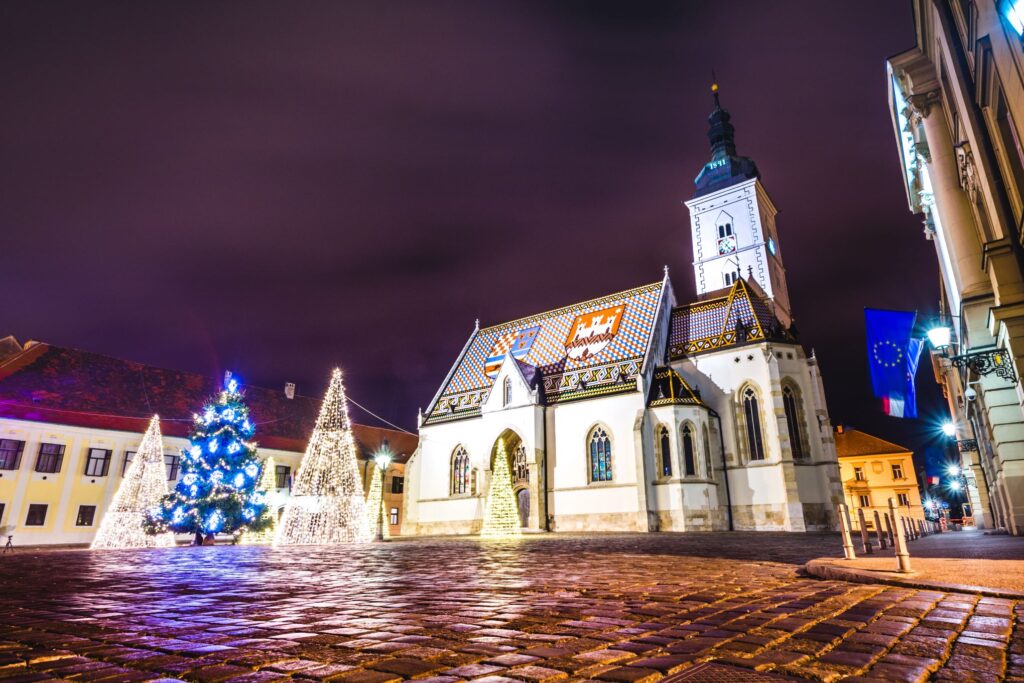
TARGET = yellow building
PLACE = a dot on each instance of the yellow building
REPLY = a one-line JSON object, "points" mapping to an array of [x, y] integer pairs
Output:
{"points": [[71, 421], [874, 470]]}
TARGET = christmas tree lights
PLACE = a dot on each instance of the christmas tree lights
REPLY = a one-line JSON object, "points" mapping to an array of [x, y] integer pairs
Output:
{"points": [[218, 490], [501, 515], [143, 486], [268, 485], [327, 504]]}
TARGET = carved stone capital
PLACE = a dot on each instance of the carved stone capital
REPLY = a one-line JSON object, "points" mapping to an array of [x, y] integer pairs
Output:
{"points": [[922, 103]]}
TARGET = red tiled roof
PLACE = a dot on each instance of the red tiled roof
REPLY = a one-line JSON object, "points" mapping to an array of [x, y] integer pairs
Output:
{"points": [[45, 383], [851, 442]]}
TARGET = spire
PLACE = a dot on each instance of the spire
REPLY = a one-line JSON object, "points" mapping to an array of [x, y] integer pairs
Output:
{"points": [[726, 167], [721, 132]]}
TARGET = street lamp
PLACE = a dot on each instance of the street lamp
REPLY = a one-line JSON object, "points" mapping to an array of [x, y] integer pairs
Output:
{"points": [[940, 337], [382, 458], [949, 429]]}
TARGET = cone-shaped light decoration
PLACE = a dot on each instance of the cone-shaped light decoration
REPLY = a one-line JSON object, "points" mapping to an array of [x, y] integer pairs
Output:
{"points": [[327, 504], [268, 485], [143, 486], [375, 505], [501, 515]]}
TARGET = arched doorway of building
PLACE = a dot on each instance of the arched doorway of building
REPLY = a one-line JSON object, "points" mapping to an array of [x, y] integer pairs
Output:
{"points": [[515, 450]]}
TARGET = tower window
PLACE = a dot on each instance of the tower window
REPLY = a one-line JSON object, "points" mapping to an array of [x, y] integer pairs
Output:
{"points": [[752, 418]]}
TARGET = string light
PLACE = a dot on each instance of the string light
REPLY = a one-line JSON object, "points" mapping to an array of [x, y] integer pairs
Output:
{"points": [[375, 504], [327, 504], [143, 486], [217, 484], [501, 515], [267, 486]]}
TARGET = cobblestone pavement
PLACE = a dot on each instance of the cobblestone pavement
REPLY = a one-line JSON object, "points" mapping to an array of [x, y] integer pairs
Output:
{"points": [[609, 608]]}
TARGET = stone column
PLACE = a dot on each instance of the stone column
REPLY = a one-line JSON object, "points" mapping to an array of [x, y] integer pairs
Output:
{"points": [[844, 524], [902, 556]]}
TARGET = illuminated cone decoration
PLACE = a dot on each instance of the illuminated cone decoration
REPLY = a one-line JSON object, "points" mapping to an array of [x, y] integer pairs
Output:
{"points": [[501, 515], [327, 505], [375, 504], [142, 488], [268, 485]]}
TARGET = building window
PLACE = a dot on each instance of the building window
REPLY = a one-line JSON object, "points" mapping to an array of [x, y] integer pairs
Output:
{"points": [[600, 455], [10, 454], [903, 499], [1012, 151], [666, 453], [689, 460], [2, 506], [865, 500], [506, 391], [520, 469], [752, 418], [97, 463], [171, 462], [283, 477], [897, 470], [393, 517], [794, 415], [36, 515], [709, 469], [86, 513], [732, 277], [858, 474], [460, 471], [51, 455], [397, 484], [128, 457]]}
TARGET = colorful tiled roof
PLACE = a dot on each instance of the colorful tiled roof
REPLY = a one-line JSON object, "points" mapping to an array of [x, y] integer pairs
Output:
{"points": [[740, 316], [668, 388], [853, 442], [591, 348], [45, 383]]}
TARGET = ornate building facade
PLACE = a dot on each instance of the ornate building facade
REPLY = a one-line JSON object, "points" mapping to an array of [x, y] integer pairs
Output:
{"points": [[633, 412], [957, 103]]}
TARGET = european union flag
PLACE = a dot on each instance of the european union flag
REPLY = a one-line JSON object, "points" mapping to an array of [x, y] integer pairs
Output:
{"points": [[893, 357]]}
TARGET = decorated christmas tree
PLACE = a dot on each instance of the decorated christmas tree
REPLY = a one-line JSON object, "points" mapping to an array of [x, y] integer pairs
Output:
{"points": [[142, 488], [218, 491], [268, 485], [501, 515], [375, 503], [327, 504]]}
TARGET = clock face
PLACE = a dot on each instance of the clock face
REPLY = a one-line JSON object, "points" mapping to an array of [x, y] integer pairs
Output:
{"points": [[727, 244], [771, 245]]}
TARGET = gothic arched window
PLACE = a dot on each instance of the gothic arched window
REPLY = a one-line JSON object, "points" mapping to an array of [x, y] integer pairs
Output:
{"points": [[600, 455], [460, 471], [709, 468], [794, 415], [752, 422], [689, 459], [665, 451], [506, 394], [520, 470]]}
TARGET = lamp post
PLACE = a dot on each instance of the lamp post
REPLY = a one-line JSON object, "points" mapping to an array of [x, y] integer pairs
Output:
{"points": [[382, 458]]}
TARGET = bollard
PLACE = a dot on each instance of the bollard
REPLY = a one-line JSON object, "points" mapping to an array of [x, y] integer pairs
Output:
{"points": [[879, 532], [844, 526], [921, 529], [865, 540], [888, 530], [907, 536], [902, 556]]}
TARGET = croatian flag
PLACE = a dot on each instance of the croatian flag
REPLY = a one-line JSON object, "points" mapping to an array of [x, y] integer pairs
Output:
{"points": [[893, 358]]}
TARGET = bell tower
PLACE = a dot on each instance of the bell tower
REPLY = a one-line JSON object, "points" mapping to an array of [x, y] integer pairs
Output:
{"points": [[732, 221]]}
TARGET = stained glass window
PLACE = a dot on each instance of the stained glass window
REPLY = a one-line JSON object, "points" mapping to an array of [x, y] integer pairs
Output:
{"points": [[752, 416], [689, 461], [600, 455], [520, 470], [460, 471], [666, 454], [793, 412]]}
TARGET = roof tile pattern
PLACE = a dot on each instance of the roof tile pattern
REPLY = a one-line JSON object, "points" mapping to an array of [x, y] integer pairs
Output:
{"points": [[581, 338], [738, 317]]}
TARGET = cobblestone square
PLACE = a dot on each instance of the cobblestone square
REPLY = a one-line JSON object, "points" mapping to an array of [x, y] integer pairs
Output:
{"points": [[564, 608]]}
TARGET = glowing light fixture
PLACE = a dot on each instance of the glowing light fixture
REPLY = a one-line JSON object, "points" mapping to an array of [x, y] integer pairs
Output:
{"points": [[953, 470], [940, 337], [1014, 13], [949, 429], [501, 514], [954, 485]]}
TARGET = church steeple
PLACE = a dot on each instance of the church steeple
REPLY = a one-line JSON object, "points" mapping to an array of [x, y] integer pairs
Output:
{"points": [[732, 221], [726, 167]]}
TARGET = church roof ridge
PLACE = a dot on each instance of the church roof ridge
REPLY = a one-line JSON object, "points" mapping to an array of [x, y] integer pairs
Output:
{"points": [[562, 309]]}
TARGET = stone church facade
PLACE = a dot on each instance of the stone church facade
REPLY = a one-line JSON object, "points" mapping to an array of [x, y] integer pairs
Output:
{"points": [[635, 412]]}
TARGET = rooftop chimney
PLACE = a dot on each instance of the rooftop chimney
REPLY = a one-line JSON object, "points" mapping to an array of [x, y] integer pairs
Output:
{"points": [[289, 389]]}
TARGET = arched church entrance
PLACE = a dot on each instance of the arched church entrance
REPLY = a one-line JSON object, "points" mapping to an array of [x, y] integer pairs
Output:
{"points": [[515, 450]]}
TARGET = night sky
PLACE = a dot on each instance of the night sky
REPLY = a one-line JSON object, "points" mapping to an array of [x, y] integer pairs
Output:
{"points": [[277, 188]]}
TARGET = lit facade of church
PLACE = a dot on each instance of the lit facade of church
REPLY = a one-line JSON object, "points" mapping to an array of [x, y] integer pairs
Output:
{"points": [[633, 412]]}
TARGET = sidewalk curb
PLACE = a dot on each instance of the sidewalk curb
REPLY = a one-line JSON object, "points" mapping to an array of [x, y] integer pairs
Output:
{"points": [[824, 569]]}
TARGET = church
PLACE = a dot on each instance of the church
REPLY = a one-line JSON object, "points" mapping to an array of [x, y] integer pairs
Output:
{"points": [[635, 412]]}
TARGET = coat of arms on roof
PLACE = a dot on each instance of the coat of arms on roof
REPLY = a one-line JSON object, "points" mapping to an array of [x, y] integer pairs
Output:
{"points": [[593, 331], [517, 343]]}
